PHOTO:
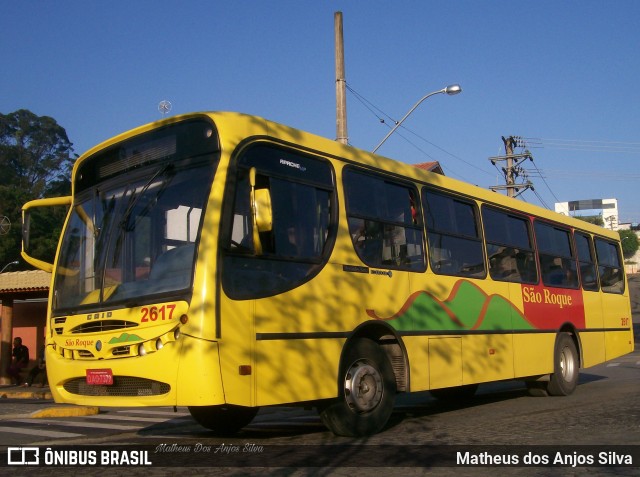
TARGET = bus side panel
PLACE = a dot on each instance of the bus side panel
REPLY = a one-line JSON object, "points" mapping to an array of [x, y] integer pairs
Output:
{"points": [[478, 311], [237, 351], [297, 370], [198, 380], [533, 353], [418, 355], [487, 357], [593, 345], [617, 314], [445, 362], [592, 348]]}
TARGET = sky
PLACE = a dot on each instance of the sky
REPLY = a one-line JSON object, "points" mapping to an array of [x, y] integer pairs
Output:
{"points": [[563, 75]]}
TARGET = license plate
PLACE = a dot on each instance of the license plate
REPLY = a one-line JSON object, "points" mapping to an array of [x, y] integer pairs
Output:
{"points": [[100, 377]]}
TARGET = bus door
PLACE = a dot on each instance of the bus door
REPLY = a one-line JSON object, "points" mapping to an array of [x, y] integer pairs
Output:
{"points": [[615, 299], [593, 341], [276, 240]]}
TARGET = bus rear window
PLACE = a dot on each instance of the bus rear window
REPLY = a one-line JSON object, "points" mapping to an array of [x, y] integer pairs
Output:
{"points": [[610, 268]]}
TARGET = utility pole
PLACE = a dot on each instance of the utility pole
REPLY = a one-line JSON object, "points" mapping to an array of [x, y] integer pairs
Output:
{"points": [[341, 88], [513, 168]]}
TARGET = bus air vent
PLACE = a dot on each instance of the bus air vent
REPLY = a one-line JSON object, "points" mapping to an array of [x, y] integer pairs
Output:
{"points": [[122, 386], [103, 325]]}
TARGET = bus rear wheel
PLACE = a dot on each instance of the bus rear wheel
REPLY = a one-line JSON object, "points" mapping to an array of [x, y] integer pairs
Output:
{"points": [[224, 420], [566, 368], [367, 392]]}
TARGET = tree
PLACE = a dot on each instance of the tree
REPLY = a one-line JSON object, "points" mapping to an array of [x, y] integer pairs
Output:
{"points": [[36, 157], [592, 219], [630, 243]]}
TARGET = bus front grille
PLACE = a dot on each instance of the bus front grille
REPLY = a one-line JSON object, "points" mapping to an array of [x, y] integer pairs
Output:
{"points": [[122, 386]]}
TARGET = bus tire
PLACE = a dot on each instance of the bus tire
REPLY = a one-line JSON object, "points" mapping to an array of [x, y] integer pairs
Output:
{"points": [[537, 388], [566, 367], [367, 392], [224, 420]]}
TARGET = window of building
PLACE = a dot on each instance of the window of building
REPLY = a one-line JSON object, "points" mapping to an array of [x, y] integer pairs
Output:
{"points": [[453, 234]]}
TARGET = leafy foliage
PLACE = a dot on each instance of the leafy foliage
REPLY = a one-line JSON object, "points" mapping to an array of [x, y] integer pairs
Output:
{"points": [[36, 157], [592, 219], [630, 243]]}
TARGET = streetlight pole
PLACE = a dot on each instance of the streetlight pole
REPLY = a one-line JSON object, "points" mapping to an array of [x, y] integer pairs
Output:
{"points": [[449, 90], [8, 265]]}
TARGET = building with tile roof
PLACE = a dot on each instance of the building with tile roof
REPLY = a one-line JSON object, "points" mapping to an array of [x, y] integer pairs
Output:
{"points": [[23, 312], [430, 166], [24, 284]]}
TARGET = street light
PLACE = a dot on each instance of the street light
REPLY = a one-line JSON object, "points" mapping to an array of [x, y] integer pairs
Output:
{"points": [[450, 90], [8, 265]]}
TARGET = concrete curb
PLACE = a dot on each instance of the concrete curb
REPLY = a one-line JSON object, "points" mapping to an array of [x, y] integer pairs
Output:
{"points": [[71, 411], [26, 395]]}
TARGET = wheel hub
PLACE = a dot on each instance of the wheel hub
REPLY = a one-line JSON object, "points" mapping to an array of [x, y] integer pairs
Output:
{"points": [[363, 387]]}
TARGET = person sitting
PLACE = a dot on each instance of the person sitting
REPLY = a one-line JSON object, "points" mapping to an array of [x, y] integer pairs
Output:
{"points": [[38, 372], [19, 361]]}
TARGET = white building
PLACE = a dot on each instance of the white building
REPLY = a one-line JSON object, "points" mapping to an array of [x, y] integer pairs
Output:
{"points": [[607, 207]]}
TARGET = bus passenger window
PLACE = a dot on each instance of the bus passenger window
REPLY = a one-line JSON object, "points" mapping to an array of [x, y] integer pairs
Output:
{"points": [[300, 234], [586, 261], [455, 244], [557, 260], [609, 266], [382, 221], [511, 257]]}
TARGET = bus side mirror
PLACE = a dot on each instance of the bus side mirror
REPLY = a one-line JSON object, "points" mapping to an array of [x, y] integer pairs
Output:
{"points": [[262, 206], [26, 228], [261, 211]]}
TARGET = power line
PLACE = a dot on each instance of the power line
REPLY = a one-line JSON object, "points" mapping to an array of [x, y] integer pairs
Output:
{"points": [[381, 115], [577, 174], [544, 180], [616, 147]]}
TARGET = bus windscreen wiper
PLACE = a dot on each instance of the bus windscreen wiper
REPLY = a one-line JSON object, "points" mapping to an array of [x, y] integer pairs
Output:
{"points": [[133, 200]]}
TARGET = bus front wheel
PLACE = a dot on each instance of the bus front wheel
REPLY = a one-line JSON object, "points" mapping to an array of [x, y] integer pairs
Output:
{"points": [[224, 420], [367, 392]]}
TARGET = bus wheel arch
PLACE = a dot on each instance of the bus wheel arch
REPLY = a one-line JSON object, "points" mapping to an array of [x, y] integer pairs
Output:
{"points": [[393, 346], [367, 383]]}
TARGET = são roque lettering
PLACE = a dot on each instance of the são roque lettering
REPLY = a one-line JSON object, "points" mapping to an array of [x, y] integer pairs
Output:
{"points": [[530, 295]]}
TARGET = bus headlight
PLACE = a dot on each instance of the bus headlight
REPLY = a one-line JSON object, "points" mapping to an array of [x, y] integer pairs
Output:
{"points": [[141, 350], [159, 344], [176, 334]]}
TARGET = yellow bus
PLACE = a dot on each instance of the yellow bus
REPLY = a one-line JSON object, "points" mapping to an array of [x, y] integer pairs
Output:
{"points": [[224, 262]]}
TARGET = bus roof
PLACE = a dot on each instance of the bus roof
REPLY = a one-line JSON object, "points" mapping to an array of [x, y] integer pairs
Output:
{"points": [[236, 127]]}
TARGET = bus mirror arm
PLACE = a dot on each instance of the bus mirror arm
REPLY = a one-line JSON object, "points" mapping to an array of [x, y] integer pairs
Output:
{"points": [[261, 211]]}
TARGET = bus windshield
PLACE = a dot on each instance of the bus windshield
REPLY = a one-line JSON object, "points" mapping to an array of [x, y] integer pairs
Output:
{"points": [[133, 237]]}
